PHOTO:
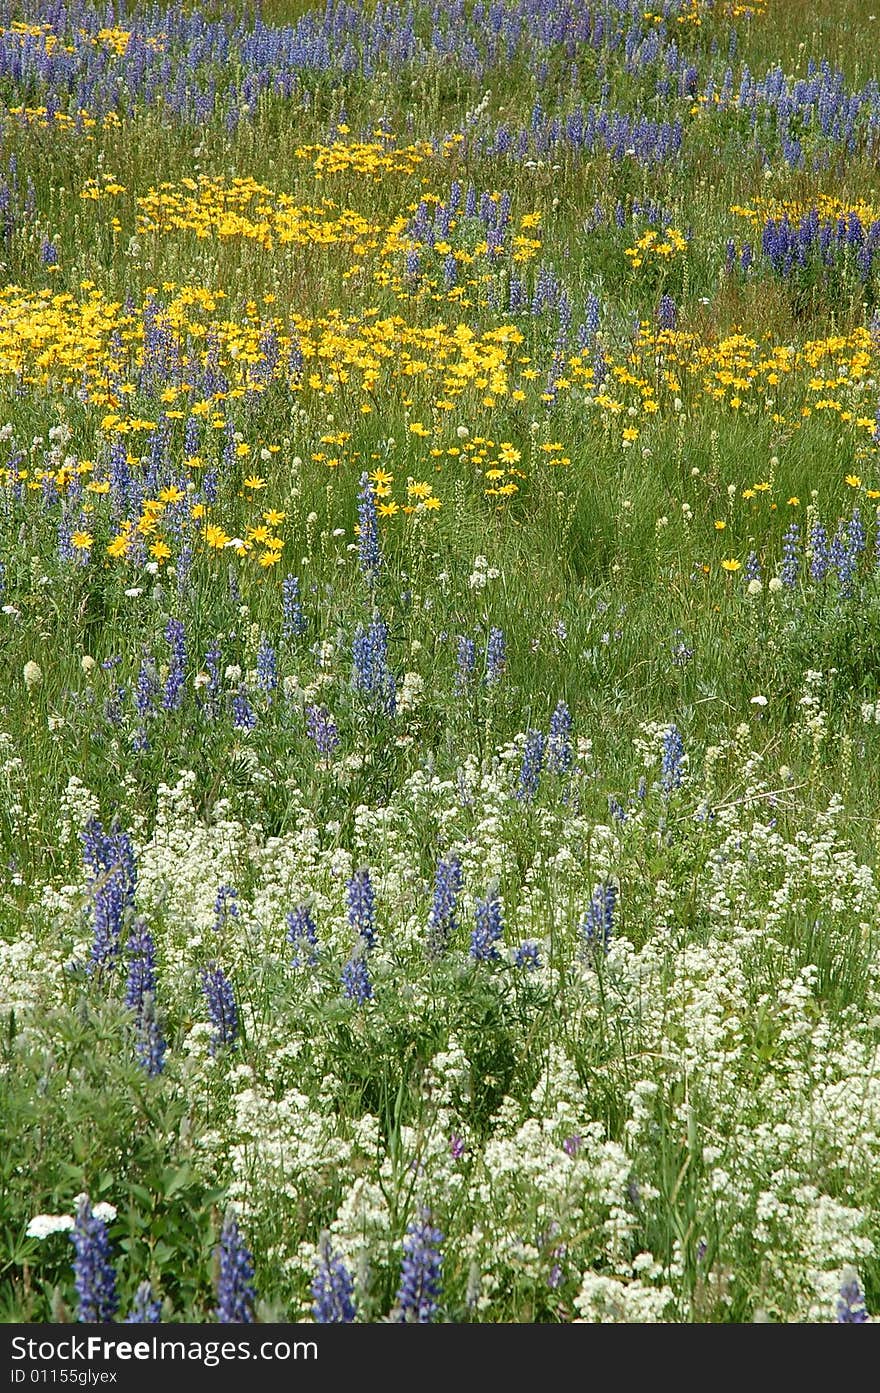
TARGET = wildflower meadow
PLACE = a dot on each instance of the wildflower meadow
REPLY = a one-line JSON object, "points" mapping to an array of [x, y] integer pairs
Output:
{"points": [[440, 661]]}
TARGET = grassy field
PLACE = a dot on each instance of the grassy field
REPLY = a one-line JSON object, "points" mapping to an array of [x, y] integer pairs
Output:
{"points": [[440, 662]]}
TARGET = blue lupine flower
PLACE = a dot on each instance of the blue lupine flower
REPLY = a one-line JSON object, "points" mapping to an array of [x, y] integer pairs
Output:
{"points": [[109, 860], [191, 435], [673, 758], [527, 955], [421, 1273], [530, 769], [356, 979], [361, 901], [145, 688], [222, 1010], [175, 637], [466, 661], [267, 666], [294, 622], [147, 1309], [592, 312], [213, 659], [843, 558], [488, 928], [302, 935], [496, 656], [369, 546], [790, 562], [235, 1288], [820, 557], [442, 921], [851, 1301], [149, 1043], [752, 569], [94, 1277], [597, 926], [225, 907], [243, 717], [372, 675], [332, 1288], [141, 966], [321, 728], [667, 313], [559, 750], [855, 532]]}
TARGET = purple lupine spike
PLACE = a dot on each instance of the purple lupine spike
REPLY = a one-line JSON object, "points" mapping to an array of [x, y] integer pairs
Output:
{"points": [[372, 674], [147, 1308], [332, 1288], [222, 1010], [527, 955], [94, 1277], [225, 907], [109, 859], [321, 728], [141, 966], [597, 926], [667, 313], [673, 759], [421, 1273], [149, 1045], [235, 1287], [369, 546], [559, 751], [465, 663], [175, 637], [442, 921], [355, 978], [820, 559], [851, 1300], [496, 657], [530, 769], [243, 717], [488, 927], [361, 901], [294, 623], [267, 667], [790, 559], [302, 936]]}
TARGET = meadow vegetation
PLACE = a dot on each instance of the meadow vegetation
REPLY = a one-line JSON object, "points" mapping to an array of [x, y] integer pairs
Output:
{"points": [[440, 661]]}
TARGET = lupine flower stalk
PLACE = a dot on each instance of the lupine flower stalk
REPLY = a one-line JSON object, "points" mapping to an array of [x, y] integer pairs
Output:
{"points": [[222, 1010], [94, 1276], [421, 1273], [597, 925], [442, 921], [369, 546], [235, 1287], [361, 901], [559, 751], [302, 935], [332, 1288], [488, 928], [851, 1300], [147, 1309]]}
